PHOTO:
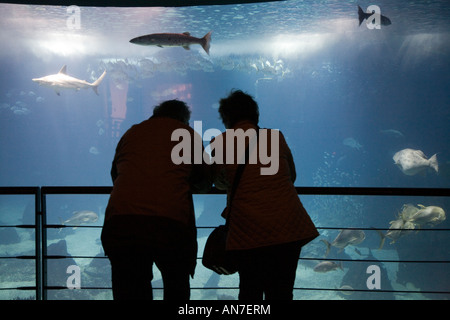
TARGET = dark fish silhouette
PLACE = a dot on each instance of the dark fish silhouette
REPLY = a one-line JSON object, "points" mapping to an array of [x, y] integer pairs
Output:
{"points": [[385, 21]]}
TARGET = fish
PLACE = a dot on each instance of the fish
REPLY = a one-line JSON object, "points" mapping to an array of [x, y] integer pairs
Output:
{"points": [[81, 217], [408, 211], [62, 81], [431, 215], [385, 21], [352, 143], [94, 150], [412, 162], [173, 40], [326, 266], [409, 218], [346, 290], [398, 228], [392, 133], [345, 238]]}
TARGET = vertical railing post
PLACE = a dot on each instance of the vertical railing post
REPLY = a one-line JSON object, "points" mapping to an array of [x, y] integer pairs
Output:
{"points": [[38, 242], [44, 243]]}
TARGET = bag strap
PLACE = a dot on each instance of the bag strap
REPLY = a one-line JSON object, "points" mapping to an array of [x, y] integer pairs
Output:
{"points": [[238, 175]]}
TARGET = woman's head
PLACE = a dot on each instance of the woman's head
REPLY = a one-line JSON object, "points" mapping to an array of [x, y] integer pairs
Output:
{"points": [[238, 106]]}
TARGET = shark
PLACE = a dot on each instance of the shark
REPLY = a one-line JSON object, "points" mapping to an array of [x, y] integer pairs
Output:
{"points": [[63, 81]]}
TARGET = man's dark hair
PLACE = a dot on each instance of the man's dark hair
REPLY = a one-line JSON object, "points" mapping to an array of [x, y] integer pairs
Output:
{"points": [[238, 106], [174, 109]]}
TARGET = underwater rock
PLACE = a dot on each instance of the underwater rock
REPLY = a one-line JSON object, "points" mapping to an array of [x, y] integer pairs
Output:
{"points": [[98, 272], [357, 276], [8, 236], [58, 262], [429, 277]]}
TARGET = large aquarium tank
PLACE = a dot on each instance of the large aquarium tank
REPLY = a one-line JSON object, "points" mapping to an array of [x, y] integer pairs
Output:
{"points": [[360, 90]]}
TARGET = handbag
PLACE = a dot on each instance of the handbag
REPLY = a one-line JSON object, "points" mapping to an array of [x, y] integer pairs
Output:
{"points": [[215, 256]]}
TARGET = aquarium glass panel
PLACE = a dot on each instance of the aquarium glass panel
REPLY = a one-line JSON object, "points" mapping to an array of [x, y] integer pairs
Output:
{"points": [[17, 247], [361, 98], [347, 96], [75, 255], [376, 247]]}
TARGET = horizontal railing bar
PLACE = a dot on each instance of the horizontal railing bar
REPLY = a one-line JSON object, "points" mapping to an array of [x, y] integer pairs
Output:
{"points": [[19, 190], [375, 260], [24, 226], [56, 256], [19, 257], [76, 190], [372, 290], [20, 288], [295, 288], [378, 191], [369, 191], [237, 288], [353, 228], [61, 226], [313, 259]]}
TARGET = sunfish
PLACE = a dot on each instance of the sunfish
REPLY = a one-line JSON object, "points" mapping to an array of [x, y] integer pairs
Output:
{"points": [[62, 81], [431, 215], [173, 40], [412, 161]]}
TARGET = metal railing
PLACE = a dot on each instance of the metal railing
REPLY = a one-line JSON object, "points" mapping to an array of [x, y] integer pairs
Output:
{"points": [[40, 227]]}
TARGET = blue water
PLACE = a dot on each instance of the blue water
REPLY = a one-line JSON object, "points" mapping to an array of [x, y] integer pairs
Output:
{"points": [[316, 75]]}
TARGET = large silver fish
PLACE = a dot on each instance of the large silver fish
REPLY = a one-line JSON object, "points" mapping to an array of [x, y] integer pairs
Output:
{"points": [[430, 215], [173, 40], [412, 161], [326, 266], [81, 217], [61, 80], [398, 228], [345, 238]]}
